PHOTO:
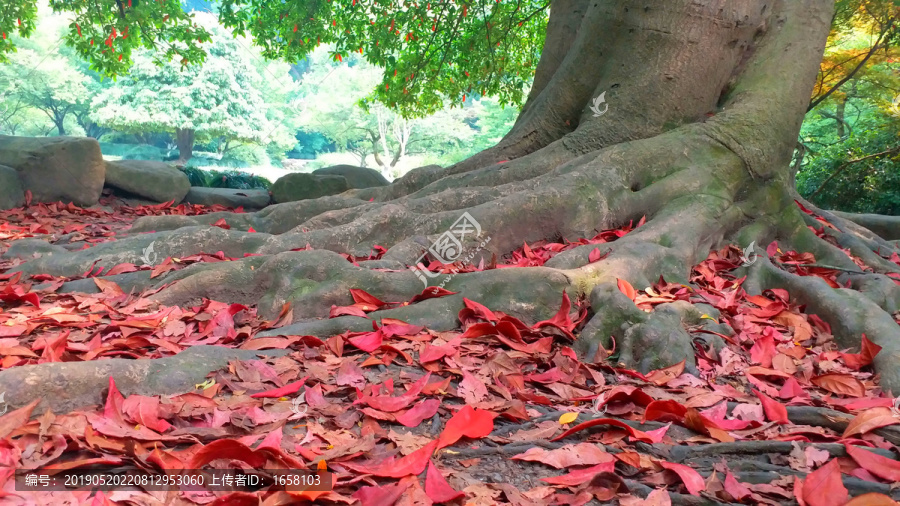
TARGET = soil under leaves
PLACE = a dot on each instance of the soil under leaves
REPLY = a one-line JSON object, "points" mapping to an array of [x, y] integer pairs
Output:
{"points": [[500, 411]]}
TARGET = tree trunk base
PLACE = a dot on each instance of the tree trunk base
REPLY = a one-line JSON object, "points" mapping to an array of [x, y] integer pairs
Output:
{"points": [[695, 193]]}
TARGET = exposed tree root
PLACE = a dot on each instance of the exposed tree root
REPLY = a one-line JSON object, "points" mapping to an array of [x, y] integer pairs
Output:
{"points": [[67, 386]]}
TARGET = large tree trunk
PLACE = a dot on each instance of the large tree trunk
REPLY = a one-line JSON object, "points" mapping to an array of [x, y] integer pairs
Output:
{"points": [[705, 101], [184, 139]]}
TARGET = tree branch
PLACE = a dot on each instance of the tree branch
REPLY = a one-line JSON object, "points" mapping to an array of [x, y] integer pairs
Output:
{"points": [[852, 73], [848, 163]]}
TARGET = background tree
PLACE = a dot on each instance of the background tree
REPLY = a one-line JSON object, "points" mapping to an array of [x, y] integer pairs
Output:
{"points": [[703, 159], [849, 141], [221, 97]]}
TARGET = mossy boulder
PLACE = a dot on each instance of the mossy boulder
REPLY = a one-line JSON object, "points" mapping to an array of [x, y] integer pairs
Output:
{"points": [[357, 177], [67, 169], [11, 192], [301, 186], [157, 181]]}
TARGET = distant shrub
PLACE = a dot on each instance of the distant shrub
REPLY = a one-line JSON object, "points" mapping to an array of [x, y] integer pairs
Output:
{"points": [[225, 179], [144, 152], [245, 155], [196, 176]]}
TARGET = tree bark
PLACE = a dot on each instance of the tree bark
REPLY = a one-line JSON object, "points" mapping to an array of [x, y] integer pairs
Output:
{"points": [[184, 139], [705, 101]]}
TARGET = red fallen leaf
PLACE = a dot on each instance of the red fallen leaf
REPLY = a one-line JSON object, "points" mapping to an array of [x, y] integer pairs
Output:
{"points": [[658, 497], [378, 496], [290, 388], [479, 310], [145, 411], [634, 433], [368, 342], [791, 389], [480, 330], [228, 449], [436, 487], [221, 224], [121, 269], [842, 384], [667, 411], [763, 350], [410, 465], [15, 419], [365, 300], [581, 476], [596, 255], [468, 422], [165, 460], [857, 361], [872, 499], [542, 345], [251, 230], [346, 311], [883, 467], [561, 319], [432, 353], [108, 460], [581, 454], [431, 293], [391, 404], [823, 487], [421, 411], [737, 490], [860, 404], [774, 410], [114, 401], [870, 420], [663, 376], [626, 288], [236, 499], [692, 479]]}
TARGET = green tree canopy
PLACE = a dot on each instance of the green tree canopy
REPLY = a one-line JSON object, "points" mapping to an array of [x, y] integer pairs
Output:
{"points": [[221, 97], [433, 53]]}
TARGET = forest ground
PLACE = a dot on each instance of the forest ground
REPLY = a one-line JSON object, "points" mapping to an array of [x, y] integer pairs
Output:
{"points": [[498, 411]]}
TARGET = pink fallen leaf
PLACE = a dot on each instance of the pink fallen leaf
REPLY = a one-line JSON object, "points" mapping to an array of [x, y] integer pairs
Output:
{"points": [[634, 433], [581, 476], [410, 465], [418, 413], [437, 488], [883, 467], [391, 404], [290, 388], [824, 487], [581, 454], [385, 495], [774, 410]]}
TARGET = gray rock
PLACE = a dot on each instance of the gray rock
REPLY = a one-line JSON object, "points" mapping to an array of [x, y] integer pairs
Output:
{"points": [[67, 169], [32, 248], [301, 186], [11, 192], [157, 181], [249, 199], [357, 177]]}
